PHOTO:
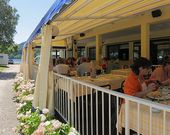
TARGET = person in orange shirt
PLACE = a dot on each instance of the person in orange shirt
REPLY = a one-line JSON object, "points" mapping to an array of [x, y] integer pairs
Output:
{"points": [[134, 84], [162, 73]]}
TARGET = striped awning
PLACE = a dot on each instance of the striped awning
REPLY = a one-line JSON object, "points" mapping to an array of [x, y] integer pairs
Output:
{"points": [[55, 9], [85, 15]]}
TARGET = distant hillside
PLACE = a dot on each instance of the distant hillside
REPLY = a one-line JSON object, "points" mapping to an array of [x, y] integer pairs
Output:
{"points": [[17, 55], [20, 46]]}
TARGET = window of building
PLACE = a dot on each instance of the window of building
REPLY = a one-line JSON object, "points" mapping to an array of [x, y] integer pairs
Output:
{"points": [[92, 53], [113, 52], [120, 52], [136, 50], [159, 48], [81, 51]]}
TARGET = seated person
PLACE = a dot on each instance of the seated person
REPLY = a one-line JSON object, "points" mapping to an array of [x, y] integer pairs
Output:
{"points": [[61, 67], [162, 73], [73, 63], [104, 64], [112, 65], [84, 67], [125, 66], [135, 82]]}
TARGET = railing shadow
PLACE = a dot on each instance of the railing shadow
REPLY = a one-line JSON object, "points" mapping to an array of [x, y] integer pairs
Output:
{"points": [[7, 75]]}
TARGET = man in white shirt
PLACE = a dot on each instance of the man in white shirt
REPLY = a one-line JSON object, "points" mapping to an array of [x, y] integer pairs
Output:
{"points": [[62, 68], [83, 68]]}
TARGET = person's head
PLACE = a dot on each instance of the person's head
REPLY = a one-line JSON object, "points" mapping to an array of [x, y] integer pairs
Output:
{"points": [[83, 59], [104, 60], [68, 61], [88, 59], [71, 61], [60, 61], [78, 61], [166, 63], [142, 68]]}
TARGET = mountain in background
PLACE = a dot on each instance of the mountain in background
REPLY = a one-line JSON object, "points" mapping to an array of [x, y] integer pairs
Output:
{"points": [[20, 47], [18, 54]]}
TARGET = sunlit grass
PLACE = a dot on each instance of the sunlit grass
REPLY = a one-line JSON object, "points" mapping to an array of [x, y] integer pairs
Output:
{"points": [[2, 68]]}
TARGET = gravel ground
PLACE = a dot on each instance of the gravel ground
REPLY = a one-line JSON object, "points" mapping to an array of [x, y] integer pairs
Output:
{"points": [[8, 117]]}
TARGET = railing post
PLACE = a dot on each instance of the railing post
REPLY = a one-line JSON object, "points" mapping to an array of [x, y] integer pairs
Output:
{"points": [[72, 105], [150, 121], [138, 119], [91, 111], [68, 81], [164, 122], [126, 117], [97, 125], [110, 114]]}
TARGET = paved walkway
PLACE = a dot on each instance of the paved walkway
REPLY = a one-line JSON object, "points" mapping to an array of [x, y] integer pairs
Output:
{"points": [[8, 115]]}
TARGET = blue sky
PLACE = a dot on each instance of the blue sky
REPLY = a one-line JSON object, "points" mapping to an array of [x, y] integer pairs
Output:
{"points": [[31, 12]]}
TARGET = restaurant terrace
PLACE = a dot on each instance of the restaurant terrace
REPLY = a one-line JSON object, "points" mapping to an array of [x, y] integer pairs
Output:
{"points": [[116, 29]]}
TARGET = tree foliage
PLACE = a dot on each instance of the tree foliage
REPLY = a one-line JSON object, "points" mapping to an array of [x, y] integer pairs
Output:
{"points": [[8, 21]]}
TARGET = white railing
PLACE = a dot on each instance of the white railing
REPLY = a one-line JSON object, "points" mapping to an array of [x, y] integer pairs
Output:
{"points": [[94, 110], [34, 71]]}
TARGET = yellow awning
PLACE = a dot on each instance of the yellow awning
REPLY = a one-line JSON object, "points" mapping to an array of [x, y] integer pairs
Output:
{"points": [[84, 15]]}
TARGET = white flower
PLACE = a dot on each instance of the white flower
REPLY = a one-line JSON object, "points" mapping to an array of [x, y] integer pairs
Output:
{"points": [[73, 131], [56, 124], [32, 81], [43, 117], [28, 112], [28, 98], [26, 126], [40, 130], [23, 91], [45, 111], [42, 124], [20, 116], [22, 124], [47, 123], [19, 105]]}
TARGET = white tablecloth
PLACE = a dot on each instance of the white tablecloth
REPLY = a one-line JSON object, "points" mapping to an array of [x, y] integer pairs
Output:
{"points": [[157, 120], [121, 72], [114, 80]]}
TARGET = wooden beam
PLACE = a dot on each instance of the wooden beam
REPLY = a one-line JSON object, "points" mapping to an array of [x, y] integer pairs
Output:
{"points": [[98, 48], [145, 40]]}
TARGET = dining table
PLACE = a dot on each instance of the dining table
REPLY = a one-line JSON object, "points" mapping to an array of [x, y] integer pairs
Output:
{"points": [[100, 80], [121, 71], [145, 126]]}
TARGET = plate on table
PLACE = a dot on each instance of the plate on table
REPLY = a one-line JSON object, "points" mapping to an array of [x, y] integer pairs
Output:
{"points": [[157, 95]]}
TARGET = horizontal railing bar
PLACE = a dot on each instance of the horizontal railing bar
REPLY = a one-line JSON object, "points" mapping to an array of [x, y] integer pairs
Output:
{"points": [[121, 95], [60, 114]]}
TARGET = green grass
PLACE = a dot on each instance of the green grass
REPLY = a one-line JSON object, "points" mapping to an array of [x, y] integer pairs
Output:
{"points": [[2, 68]]}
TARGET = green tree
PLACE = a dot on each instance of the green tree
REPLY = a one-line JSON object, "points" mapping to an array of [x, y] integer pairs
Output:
{"points": [[8, 21]]}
